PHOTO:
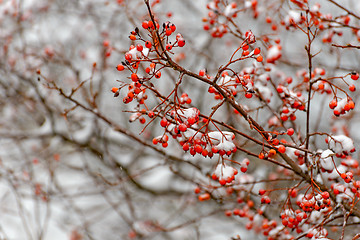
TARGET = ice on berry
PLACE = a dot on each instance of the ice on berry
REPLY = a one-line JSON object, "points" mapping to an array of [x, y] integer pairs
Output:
{"points": [[341, 144], [273, 54], [225, 172], [264, 91], [326, 161], [222, 140]]}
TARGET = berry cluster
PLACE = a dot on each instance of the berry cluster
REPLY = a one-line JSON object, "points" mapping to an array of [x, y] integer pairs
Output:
{"points": [[203, 196], [143, 52], [341, 107], [319, 202], [317, 233], [224, 174], [221, 15], [230, 84], [218, 10], [292, 219], [214, 142], [347, 191], [341, 145], [182, 124], [291, 103], [273, 54]]}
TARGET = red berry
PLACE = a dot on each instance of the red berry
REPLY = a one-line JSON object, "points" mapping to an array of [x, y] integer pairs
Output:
{"points": [[259, 58], [191, 120], [284, 117], [181, 42], [214, 149], [204, 197], [281, 149], [106, 43], [148, 44], [354, 76], [205, 153], [262, 191], [186, 147], [333, 104], [168, 32], [150, 24], [293, 193], [114, 89], [151, 114], [248, 95], [158, 74], [164, 122], [182, 127], [145, 25], [290, 131], [198, 148], [142, 120], [352, 88], [351, 104], [134, 77], [325, 195], [222, 182], [120, 67], [165, 138], [168, 47], [211, 90], [139, 47], [265, 199], [245, 53], [173, 27], [228, 213], [128, 57]]}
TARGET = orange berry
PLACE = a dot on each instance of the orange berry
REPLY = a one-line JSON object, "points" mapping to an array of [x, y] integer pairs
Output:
{"points": [[281, 149], [120, 67], [250, 203], [245, 53], [352, 88], [145, 25], [257, 51], [351, 105], [134, 77], [272, 152], [259, 58], [204, 197]]}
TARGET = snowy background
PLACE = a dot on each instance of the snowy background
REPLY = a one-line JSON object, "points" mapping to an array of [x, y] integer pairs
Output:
{"points": [[74, 173]]}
